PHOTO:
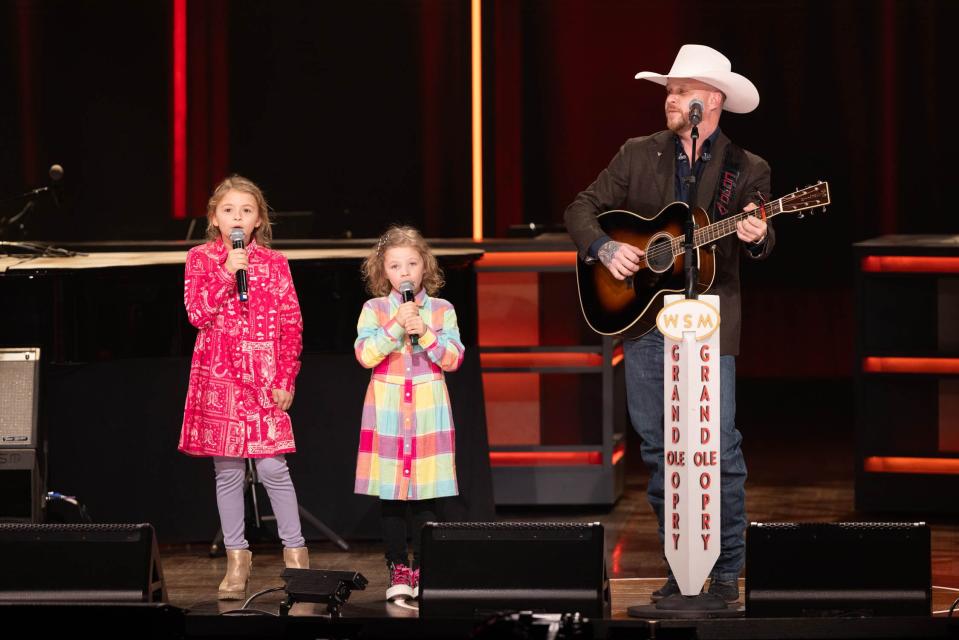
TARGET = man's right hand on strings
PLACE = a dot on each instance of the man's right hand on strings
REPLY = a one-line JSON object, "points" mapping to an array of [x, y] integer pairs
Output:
{"points": [[620, 258]]}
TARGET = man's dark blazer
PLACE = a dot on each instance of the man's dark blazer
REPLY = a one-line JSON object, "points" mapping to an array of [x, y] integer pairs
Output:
{"points": [[642, 177]]}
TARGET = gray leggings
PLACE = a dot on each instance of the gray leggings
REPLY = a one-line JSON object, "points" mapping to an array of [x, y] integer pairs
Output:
{"points": [[275, 476]]}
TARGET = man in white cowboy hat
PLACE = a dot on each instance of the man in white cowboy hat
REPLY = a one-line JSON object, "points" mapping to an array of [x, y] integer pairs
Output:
{"points": [[648, 173]]}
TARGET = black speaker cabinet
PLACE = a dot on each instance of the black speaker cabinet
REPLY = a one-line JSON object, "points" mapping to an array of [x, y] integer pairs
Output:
{"points": [[476, 568], [838, 569], [21, 499], [80, 563]]}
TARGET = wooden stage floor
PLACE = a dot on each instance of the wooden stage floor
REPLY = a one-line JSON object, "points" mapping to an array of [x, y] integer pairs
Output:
{"points": [[633, 556], [800, 470]]}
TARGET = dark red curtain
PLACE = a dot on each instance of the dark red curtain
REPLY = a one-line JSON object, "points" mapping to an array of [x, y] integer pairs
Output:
{"points": [[854, 93]]}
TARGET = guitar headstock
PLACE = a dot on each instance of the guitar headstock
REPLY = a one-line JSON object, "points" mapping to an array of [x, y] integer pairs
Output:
{"points": [[813, 196]]}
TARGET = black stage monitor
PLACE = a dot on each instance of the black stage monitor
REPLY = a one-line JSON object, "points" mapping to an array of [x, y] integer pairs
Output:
{"points": [[477, 568], [838, 569], [80, 563]]}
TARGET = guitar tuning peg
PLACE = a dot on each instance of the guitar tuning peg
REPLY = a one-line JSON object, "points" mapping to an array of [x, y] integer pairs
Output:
{"points": [[800, 215], [824, 209]]}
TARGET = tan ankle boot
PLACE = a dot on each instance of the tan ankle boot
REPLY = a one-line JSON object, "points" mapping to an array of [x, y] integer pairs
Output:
{"points": [[239, 565], [296, 558]]}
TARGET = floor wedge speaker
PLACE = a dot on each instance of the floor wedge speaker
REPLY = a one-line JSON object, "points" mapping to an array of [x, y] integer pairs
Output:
{"points": [[838, 569], [476, 568], [80, 563]]}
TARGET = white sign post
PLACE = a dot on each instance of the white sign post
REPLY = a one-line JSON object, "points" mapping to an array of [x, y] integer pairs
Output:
{"points": [[691, 437]]}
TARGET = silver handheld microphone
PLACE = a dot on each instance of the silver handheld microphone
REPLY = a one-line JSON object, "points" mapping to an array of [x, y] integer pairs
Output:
{"points": [[237, 237]]}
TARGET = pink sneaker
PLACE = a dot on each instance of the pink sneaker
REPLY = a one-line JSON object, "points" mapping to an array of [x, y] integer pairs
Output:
{"points": [[415, 581], [401, 587]]}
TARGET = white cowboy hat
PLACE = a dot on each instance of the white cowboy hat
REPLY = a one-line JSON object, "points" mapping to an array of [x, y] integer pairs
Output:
{"points": [[708, 65]]}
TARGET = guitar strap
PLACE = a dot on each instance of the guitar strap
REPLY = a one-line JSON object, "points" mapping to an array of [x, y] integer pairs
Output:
{"points": [[725, 195]]}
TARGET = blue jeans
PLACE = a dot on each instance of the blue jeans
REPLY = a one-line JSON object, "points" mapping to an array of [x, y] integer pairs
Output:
{"points": [[644, 393]]}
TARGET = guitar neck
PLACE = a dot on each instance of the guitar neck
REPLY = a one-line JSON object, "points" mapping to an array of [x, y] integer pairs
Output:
{"points": [[726, 226]]}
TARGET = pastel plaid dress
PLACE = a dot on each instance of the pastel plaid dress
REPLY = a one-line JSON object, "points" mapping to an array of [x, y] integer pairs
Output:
{"points": [[407, 441]]}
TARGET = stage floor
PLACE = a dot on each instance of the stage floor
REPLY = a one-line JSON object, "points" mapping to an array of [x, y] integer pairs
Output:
{"points": [[633, 556]]}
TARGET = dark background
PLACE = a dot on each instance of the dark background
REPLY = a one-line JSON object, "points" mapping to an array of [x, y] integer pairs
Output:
{"points": [[360, 113]]}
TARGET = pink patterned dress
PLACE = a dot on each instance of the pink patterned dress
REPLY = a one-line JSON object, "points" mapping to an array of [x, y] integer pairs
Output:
{"points": [[243, 351]]}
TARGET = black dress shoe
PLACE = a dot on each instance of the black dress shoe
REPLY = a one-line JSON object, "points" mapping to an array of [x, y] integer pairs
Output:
{"points": [[669, 588], [728, 590]]}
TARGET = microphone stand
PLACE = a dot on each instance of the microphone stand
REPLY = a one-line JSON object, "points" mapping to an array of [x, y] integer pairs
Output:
{"points": [[35, 249], [690, 262]]}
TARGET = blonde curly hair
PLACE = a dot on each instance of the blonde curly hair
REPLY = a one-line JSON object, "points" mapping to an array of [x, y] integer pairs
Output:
{"points": [[374, 273], [264, 232]]}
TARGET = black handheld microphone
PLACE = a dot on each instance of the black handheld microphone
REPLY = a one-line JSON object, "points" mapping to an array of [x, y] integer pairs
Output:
{"points": [[406, 288], [695, 111], [237, 236]]}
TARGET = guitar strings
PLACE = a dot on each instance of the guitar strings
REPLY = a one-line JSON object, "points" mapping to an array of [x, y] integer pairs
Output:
{"points": [[726, 226]]}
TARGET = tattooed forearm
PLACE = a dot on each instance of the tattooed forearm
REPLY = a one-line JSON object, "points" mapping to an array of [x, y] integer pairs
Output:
{"points": [[607, 251]]}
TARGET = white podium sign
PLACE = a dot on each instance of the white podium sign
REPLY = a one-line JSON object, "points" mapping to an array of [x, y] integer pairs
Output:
{"points": [[691, 437]]}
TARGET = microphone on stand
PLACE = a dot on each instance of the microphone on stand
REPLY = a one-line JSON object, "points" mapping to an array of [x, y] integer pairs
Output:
{"points": [[56, 175], [237, 236], [406, 288], [696, 111]]}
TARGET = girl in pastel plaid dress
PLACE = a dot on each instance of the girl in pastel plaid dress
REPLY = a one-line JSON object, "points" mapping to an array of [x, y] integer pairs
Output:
{"points": [[407, 442]]}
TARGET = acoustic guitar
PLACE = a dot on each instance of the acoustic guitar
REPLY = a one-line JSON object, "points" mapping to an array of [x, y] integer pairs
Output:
{"points": [[628, 307]]}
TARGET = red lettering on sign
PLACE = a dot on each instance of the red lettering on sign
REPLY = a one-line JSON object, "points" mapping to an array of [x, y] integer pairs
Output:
{"points": [[705, 542], [705, 480], [704, 353], [704, 458]]}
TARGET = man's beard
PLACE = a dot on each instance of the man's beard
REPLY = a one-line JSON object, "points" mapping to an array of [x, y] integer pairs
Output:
{"points": [[676, 122]]}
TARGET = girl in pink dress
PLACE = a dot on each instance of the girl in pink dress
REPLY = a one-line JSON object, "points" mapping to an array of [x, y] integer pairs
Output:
{"points": [[245, 362]]}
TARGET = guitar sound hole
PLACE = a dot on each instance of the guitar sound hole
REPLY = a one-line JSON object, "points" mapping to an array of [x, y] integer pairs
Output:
{"points": [[659, 254]]}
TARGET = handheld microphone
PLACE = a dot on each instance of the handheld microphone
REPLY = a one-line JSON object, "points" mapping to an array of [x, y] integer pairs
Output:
{"points": [[696, 111], [237, 236], [406, 288]]}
